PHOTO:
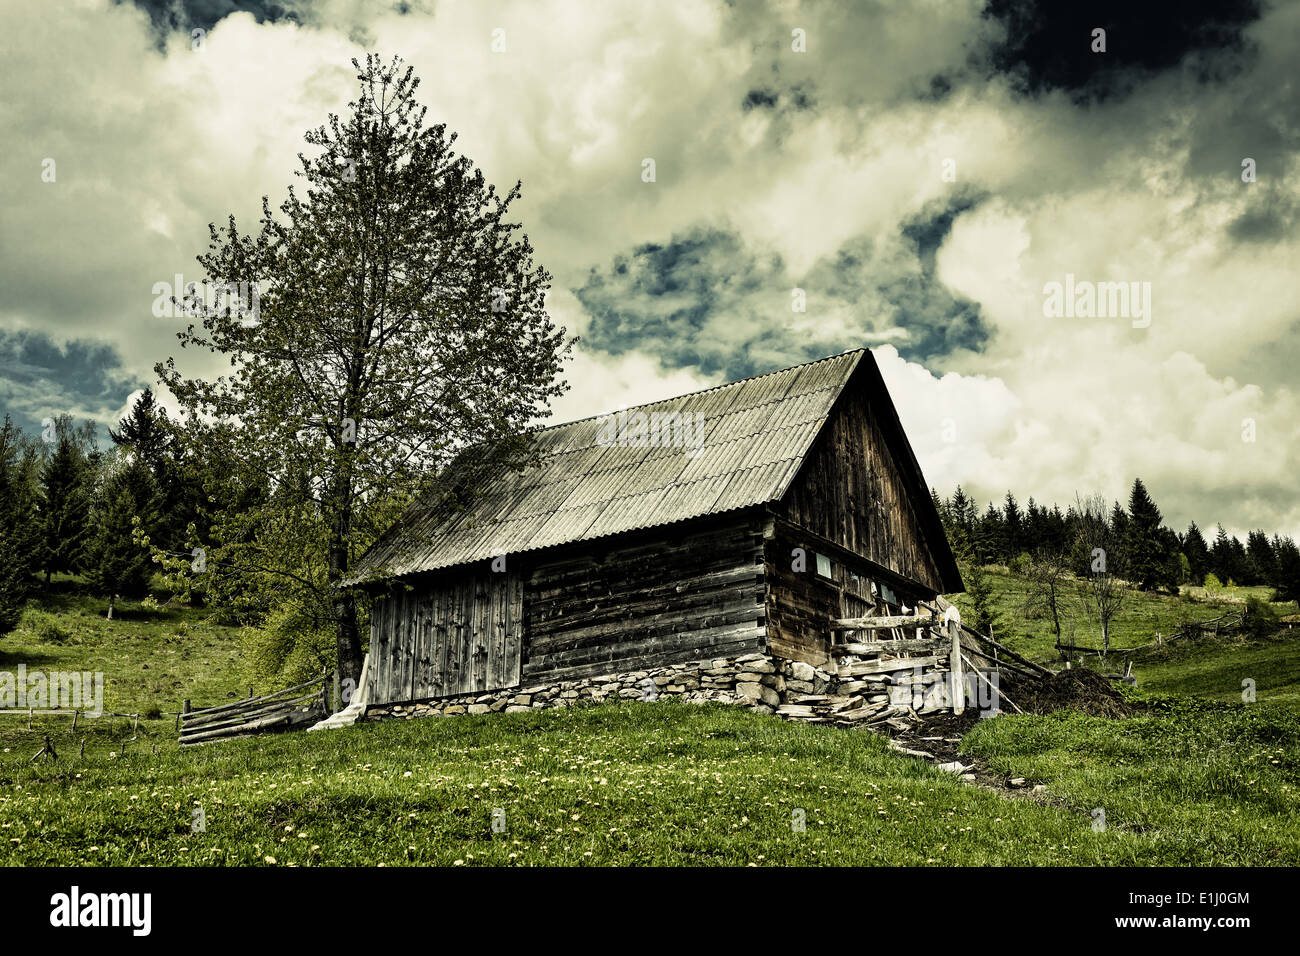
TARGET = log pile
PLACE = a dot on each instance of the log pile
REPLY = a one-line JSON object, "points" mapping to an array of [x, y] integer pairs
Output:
{"points": [[290, 709]]}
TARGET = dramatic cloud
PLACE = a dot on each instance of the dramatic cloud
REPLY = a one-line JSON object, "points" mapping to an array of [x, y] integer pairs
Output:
{"points": [[911, 175]]}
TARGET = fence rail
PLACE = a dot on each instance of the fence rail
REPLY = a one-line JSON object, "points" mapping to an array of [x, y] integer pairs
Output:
{"points": [[287, 709]]}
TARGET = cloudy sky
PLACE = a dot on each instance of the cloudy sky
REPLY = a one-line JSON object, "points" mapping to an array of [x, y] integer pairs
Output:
{"points": [[922, 170]]}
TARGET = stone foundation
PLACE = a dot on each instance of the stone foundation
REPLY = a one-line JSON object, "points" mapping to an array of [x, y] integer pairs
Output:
{"points": [[860, 690]]}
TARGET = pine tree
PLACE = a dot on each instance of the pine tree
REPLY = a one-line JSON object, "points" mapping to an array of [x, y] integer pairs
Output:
{"points": [[19, 528], [980, 591], [1013, 528], [117, 564], [988, 540], [66, 486], [1198, 554], [1148, 555], [1287, 582], [144, 431], [1260, 558], [1221, 556]]}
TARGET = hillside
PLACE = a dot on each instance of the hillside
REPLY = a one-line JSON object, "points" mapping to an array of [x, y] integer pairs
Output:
{"points": [[1182, 781], [1206, 668]]}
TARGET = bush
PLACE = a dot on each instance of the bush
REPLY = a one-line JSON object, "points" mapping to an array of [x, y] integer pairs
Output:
{"points": [[288, 648], [1258, 621], [41, 627]]}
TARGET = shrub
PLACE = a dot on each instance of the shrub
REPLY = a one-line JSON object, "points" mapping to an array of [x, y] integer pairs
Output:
{"points": [[41, 627], [1258, 621]]}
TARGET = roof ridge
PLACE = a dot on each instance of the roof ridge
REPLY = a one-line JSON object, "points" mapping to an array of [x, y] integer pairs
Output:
{"points": [[701, 391]]}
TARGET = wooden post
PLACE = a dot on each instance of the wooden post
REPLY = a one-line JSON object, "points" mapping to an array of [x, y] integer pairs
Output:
{"points": [[338, 694], [954, 670]]}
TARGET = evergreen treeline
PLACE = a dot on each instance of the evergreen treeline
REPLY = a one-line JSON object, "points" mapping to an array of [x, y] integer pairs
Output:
{"points": [[1145, 552], [68, 506]]}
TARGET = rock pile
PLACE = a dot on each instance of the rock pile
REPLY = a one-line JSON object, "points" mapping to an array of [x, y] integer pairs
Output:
{"points": [[851, 692]]}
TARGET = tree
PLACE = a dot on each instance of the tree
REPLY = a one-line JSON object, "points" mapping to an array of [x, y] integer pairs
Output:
{"points": [[1198, 554], [400, 318], [117, 563], [1287, 582], [1013, 535], [19, 523], [1097, 547], [1048, 575], [1260, 558], [67, 487], [144, 431], [1146, 552], [987, 543]]}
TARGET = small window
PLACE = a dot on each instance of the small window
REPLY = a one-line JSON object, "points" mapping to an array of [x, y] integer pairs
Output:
{"points": [[887, 594], [823, 565]]}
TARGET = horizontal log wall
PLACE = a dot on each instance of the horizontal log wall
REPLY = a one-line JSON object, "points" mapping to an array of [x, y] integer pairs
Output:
{"points": [[692, 592], [453, 634]]}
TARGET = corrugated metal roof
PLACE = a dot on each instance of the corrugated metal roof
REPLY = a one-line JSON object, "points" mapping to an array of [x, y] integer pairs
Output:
{"points": [[752, 436]]}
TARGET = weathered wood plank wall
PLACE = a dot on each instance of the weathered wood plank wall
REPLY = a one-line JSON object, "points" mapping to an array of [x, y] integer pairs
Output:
{"points": [[801, 604], [677, 597], [454, 634], [852, 491]]}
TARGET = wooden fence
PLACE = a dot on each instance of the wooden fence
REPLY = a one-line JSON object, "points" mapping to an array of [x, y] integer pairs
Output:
{"points": [[289, 709]]}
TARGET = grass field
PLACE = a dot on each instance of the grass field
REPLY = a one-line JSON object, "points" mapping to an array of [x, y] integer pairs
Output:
{"points": [[1190, 780]]}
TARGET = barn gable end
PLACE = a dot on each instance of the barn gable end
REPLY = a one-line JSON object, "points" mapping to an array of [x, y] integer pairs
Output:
{"points": [[860, 507]]}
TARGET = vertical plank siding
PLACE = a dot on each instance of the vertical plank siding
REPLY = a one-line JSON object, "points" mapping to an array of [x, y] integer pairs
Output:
{"points": [[800, 604], [458, 635], [852, 491]]}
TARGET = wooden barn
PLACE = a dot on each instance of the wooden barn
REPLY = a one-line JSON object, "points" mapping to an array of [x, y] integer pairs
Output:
{"points": [[737, 520]]}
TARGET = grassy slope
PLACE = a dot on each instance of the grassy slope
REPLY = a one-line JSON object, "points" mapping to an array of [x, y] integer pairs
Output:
{"points": [[149, 659], [663, 783], [1204, 668], [640, 783]]}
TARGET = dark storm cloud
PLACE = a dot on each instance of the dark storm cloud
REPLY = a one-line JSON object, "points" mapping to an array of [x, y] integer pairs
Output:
{"points": [[40, 379], [168, 15], [1271, 216], [797, 97], [669, 298], [707, 302], [1046, 44]]}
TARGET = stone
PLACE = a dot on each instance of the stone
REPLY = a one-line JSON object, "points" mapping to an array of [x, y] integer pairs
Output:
{"points": [[760, 692], [479, 708], [454, 709], [517, 709], [800, 670]]}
